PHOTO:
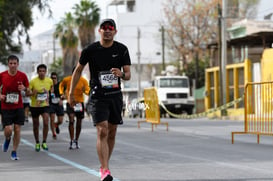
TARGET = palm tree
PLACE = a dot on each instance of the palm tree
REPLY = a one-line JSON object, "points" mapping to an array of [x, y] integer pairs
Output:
{"points": [[57, 66], [87, 16], [69, 42]]}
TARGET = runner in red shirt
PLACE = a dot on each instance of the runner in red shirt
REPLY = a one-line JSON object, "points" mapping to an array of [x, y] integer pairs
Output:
{"points": [[13, 82]]}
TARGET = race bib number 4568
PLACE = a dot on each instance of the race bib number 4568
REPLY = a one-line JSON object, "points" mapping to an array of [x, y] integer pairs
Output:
{"points": [[108, 80]]}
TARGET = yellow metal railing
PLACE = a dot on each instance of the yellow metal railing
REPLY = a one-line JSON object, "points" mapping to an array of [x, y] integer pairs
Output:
{"points": [[237, 75], [258, 109]]}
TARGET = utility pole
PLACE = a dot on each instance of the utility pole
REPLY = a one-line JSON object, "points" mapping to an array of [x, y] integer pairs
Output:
{"points": [[163, 47], [220, 52], [223, 54], [196, 57], [138, 65]]}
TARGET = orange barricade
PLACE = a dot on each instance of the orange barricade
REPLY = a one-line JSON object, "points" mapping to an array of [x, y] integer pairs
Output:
{"points": [[258, 110], [152, 108]]}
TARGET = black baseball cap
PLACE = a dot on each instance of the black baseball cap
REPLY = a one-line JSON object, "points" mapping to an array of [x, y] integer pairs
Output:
{"points": [[108, 20]]}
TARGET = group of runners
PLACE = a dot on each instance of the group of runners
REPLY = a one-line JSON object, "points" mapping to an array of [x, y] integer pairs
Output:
{"points": [[109, 64]]}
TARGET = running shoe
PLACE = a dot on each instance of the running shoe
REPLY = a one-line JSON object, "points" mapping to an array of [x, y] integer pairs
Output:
{"points": [[106, 175], [5, 146], [54, 136], [14, 156], [101, 170], [57, 128], [76, 144], [37, 147], [71, 145], [44, 146]]}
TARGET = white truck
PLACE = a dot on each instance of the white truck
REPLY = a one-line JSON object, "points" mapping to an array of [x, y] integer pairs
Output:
{"points": [[174, 92]]}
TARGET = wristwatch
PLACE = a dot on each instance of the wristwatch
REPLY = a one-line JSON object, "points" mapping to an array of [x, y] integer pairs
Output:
{"points": [[123, 75]]}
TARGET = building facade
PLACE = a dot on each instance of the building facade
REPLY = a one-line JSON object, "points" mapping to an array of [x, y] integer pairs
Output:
{"points": [[247, 41]]}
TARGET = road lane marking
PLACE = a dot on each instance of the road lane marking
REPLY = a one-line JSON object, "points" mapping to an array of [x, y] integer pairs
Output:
{"points": [[66, 161]]}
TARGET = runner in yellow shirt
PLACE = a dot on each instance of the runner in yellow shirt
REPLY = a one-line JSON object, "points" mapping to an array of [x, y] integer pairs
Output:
{"points": [[40, 87], [78, 110]]}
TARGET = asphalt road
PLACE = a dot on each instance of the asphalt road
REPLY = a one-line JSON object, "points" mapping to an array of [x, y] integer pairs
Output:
{"points": [[192, 150]]}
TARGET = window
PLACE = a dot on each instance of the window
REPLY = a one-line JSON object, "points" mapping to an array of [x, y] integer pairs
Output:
{"points": [[174, 82]]}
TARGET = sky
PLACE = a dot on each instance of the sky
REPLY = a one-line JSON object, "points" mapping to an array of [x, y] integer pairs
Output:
{"points": [[265, 7], [59, 7]]}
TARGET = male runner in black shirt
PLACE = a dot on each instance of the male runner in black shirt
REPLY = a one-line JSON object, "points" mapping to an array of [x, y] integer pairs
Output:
{"points": [[109, 62]]}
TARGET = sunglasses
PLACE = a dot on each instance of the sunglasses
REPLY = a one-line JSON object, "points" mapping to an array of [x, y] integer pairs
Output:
{"points": [[54, 77], [108, 27]]}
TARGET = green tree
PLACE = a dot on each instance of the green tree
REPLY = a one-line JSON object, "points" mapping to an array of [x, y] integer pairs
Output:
{"points": [[69, 42], [15, 21], [87, 16], [56, 66], [190, 71]]}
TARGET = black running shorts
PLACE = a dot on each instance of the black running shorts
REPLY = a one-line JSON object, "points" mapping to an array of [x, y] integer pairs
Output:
{"points": [[56, 109], [37, 111], [107, 108], [78, 113], [13, 116]]}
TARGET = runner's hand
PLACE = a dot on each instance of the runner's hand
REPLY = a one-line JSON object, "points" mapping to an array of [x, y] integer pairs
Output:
{"points": [[116, 71]]}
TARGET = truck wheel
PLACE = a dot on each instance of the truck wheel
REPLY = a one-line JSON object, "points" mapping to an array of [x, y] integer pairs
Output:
{"points": [[189, 111], [174, 112]]}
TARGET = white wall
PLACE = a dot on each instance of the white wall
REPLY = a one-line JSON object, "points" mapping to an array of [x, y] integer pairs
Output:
{"points": [[147, 18]]}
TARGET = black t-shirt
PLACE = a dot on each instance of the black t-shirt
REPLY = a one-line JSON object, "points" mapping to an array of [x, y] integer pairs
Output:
{"points": [[56, 95], [101, 60]]}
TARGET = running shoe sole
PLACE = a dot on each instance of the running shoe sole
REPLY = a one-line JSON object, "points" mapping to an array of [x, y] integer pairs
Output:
{"points": [[44, 146], [108, 178], [14, 156], [57, 130], [37, 148]]}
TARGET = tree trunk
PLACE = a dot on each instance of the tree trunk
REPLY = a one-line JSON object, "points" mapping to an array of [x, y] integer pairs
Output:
{"points": [[70, 60]]}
